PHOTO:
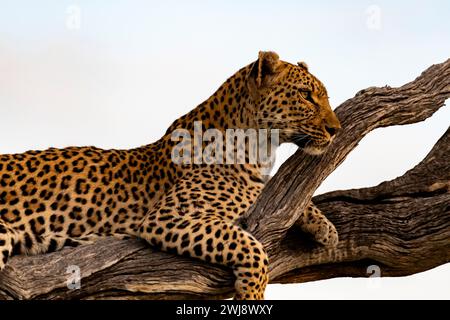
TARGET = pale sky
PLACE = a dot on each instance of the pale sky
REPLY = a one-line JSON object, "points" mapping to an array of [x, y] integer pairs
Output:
{"points": [[115, 74]]}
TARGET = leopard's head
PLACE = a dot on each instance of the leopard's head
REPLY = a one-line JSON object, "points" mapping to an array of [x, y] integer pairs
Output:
{"points": [[289, 98]]}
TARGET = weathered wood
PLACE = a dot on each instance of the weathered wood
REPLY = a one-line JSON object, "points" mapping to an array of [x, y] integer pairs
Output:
{"points": [[402, 226]]}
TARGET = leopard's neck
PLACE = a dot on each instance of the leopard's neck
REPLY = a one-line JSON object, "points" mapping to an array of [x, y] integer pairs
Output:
{"points": [[230, 107]]}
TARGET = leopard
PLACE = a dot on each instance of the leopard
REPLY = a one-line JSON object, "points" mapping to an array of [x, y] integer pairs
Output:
{"points": [[59, 197]]}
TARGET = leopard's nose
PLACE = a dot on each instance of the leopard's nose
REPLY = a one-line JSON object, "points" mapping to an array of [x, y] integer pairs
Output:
{"points": [[332, 124], [331, 130]]}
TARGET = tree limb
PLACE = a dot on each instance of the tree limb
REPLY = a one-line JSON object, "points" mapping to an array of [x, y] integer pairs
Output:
{"points": [[403, 225]]}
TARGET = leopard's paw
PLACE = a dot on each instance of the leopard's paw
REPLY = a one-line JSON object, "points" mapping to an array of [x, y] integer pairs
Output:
{"points": [[326, 234]]}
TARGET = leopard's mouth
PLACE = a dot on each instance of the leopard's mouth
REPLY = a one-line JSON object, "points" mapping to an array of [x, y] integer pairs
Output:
{"points": [[309, 145], [301, 140]]}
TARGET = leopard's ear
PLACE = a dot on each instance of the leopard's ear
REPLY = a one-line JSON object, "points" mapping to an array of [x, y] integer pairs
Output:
{"points": [[266, 66], [263, 72], [302, 64]]}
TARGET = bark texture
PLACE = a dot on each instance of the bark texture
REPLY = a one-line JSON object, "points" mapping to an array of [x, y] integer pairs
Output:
{"points": [[399, 227]]}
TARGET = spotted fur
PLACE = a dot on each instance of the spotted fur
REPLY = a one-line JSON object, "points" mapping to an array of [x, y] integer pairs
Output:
{"points": [[59, 197]]}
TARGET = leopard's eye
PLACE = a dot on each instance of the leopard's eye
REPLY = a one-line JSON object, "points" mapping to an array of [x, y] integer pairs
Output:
{"points": [[307, 96]]}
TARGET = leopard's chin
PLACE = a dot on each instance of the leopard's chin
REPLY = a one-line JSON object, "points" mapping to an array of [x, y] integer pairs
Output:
{"points": [[309, 146], [314, 151]]}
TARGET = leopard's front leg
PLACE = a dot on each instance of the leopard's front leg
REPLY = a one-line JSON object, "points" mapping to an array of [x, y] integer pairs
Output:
{"points": [[188, 221], [314, 222], [213, 241]]}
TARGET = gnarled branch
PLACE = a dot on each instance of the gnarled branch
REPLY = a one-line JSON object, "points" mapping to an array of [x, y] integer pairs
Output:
{"points": [[402, 225]]}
